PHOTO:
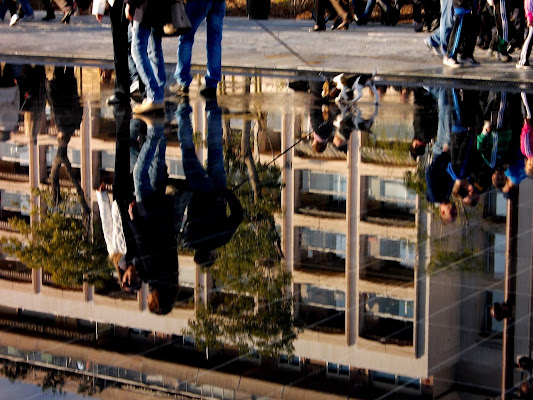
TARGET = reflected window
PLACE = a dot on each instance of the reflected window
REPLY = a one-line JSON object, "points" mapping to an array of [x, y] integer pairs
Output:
{"points": [[286, 361], [400, 250], [390, 191], [338, 370], [317, 296], [12, 152], [389, 307], [324, 183], [313, 240], [491, 325], [496, 258]]}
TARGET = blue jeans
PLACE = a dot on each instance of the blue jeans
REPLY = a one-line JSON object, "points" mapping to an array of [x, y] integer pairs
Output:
{"points": [[26, 7], [198, 178], [445, 120], [150, 170], [441, 35], [149, 61], [213, 12]]}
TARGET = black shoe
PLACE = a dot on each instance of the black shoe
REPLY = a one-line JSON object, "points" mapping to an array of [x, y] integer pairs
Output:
{"points": [[66, 17], [208, 93], [115, 100], [344, 25], [318, 28], [48, 17]]}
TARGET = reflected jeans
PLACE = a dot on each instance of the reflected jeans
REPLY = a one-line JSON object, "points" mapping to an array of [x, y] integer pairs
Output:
{"points": [[445, 120], [149, 61], [150, 172], [213, 12], [198, 178], [441, 35]]}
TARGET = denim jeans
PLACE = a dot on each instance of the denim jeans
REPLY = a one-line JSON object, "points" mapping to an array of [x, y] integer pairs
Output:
{"points": [[213, 12], [445, 120], [198, 178], [441, 35], [26, 7], [150, 170], [363, 11], [149, 61]]}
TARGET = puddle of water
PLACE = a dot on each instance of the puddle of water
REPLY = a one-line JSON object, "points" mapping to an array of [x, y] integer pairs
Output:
{"points": [[313, 252]]}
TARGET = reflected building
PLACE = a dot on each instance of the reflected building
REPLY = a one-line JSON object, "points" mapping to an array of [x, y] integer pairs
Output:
{"points": [[378, 320]]}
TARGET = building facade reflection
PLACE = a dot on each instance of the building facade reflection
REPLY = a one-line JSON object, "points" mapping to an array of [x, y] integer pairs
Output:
{"points": [[389, 298]]}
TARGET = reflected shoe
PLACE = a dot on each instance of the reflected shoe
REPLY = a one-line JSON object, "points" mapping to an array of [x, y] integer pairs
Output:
{"points": [[451, 62], [28, 18], [434, 50], [66, 17], [469, 61], [48, 17], [115, 100], [525, 66], [14, 20], [179, 89], [148, 106], [208, 93]]}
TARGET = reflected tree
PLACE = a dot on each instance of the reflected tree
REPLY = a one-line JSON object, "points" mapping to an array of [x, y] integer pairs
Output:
{"points": [[53, 381], [254, 310], [61, 241], [13, 371]]}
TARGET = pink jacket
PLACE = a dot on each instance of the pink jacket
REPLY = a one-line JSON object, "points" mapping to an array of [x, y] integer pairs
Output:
{"points": [[528, 8], [526, 137]]}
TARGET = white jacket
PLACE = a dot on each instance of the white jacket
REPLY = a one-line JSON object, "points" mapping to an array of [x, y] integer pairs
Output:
{"points": [[99, 6], [112, 226]]}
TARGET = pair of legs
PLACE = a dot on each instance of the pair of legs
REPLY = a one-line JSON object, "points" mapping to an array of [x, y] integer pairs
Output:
{"points": [[212, 11], [147, 53], [463, 35], [150, 171], [11, 6], [440, 38], [212, 178]]}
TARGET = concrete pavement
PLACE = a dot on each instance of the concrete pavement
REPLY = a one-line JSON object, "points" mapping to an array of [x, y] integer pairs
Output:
{"points": [[275, 47]]}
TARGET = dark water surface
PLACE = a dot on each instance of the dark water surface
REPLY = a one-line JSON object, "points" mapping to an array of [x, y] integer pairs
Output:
{"points": [[334, 274]]}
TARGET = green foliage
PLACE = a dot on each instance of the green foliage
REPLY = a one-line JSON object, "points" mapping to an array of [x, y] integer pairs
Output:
{"points": [[61, 242], [416, 180], [255, 312]]}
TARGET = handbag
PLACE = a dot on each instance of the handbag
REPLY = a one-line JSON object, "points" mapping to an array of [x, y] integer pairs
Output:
{"points": [[179, 23]]}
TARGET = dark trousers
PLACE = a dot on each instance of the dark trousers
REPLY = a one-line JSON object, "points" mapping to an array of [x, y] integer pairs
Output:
{"points": [[463, 36], [121, 48]]}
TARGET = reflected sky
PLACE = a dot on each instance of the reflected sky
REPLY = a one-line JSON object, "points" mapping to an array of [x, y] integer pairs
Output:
{"points": [[348, 239]]}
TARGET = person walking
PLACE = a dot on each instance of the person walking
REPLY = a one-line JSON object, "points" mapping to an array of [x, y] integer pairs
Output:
{"points": [[213, 12], [120, 32], [523, 61], [147, 17]]}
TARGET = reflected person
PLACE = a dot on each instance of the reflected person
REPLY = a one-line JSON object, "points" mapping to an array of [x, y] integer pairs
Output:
{"points": [[9, 102], [151, 219], [207, 226], [117, 234]]}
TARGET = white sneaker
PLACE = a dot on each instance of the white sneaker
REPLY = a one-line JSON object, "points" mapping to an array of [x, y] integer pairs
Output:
{"points": [[451, 62], [14, 20]]}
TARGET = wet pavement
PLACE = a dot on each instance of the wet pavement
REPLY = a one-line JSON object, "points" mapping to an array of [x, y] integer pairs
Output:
{"points": [[275, 47]]}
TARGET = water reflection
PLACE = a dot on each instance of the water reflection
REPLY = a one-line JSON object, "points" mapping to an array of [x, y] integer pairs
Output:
{"points": [[357, 248]]}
